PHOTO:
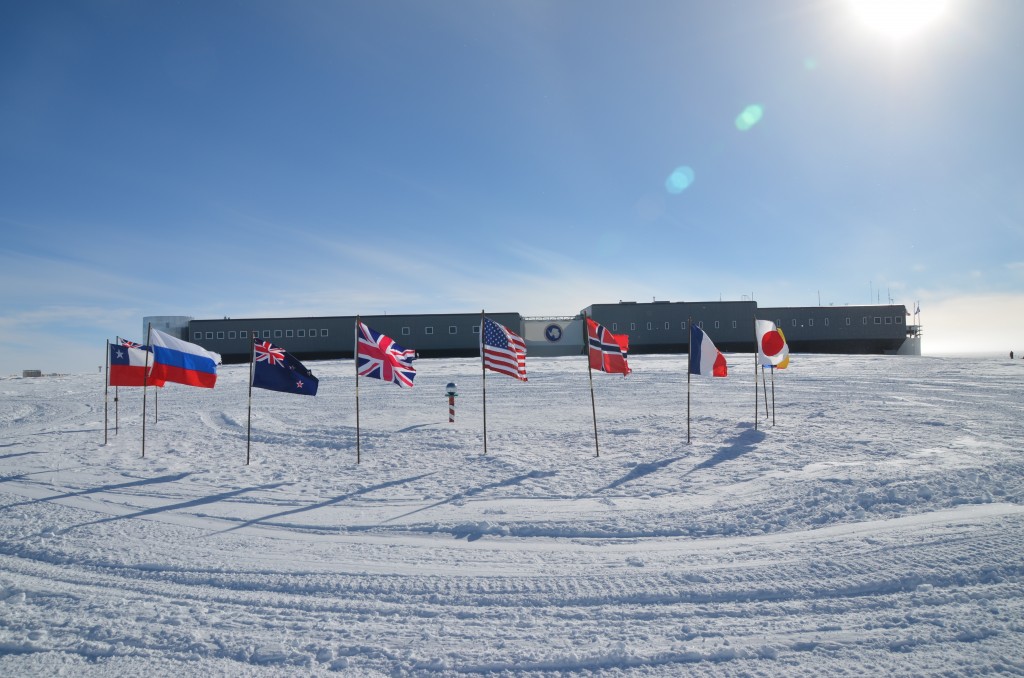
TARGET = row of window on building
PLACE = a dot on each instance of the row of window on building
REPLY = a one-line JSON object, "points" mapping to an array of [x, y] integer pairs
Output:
{"points": [[453, 329], [878, 320], [301, 334]]}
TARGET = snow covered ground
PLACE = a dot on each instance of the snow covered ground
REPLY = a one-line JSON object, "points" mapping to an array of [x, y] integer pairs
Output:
{"points": [[876, 529]]}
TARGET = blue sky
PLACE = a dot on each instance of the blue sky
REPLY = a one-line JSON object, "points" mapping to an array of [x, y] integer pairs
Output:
{"points": [[289, 158]]}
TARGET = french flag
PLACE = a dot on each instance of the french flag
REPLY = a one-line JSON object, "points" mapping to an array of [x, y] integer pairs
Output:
{"points": [[704, 357], [181, 362]]}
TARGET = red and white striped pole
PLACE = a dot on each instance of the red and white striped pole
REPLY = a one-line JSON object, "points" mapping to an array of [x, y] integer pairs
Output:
{"points": [[450, 392]]}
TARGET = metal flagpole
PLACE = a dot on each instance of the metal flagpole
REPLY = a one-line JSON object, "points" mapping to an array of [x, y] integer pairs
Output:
{"points": [[483, 372], [755, 374], [145, 385], [355, 361], [248, 425], [773, 395], [689, 359], [106, 390], [764, 387], [156, 406], [117, 399], [590, 373]]}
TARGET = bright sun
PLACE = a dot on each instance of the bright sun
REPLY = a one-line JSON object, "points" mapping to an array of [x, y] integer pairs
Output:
{"points": [[899, 18]]}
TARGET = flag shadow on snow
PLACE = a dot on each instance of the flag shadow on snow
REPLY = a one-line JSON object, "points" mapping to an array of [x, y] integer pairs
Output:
{"points": [[473, 491], [735, 447], [323, 504], [212, 499], [741, 443], [104, 488]]}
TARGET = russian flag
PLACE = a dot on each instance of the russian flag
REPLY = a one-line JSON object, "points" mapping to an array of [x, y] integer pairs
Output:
{"points": [[704, 357], [181, 362]]}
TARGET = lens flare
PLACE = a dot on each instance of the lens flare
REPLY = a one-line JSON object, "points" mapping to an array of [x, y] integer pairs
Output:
{"points": [[679, 180], [750, 116]]}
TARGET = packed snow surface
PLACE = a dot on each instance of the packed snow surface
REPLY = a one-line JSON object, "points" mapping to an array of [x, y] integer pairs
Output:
{"points": [[876, 527]]}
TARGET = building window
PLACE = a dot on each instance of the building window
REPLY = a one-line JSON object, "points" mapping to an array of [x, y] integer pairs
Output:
{"points": [[452, 329], [323, 332], [878, 320], [864, 320], [300, 333], [220, 335], [197, 335], [277, 334], [888, 320], [406, 331], [615, 327], [476, 329], [649, 327], [231, 334], [717, 324], [682, 325], [632, 326], [243, 334], [668, 325], [209, 335], [700, 324], [847, 321], [312, 332], [810, 322], [899, 320], [428, 330], [826, 322], [289, 333], [734, 324], [794, 322]]}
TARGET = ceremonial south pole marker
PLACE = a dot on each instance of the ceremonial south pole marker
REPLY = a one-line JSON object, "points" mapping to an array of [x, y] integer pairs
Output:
{"points": [[451, 393]]}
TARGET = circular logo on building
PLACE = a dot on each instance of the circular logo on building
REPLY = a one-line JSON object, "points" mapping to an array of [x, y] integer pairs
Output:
{"points": [[553, 333]]}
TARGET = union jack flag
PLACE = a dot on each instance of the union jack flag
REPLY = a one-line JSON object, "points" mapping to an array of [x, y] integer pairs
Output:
{"points": [[131, 344], [268, 353], [608, 352], [379, 357]]}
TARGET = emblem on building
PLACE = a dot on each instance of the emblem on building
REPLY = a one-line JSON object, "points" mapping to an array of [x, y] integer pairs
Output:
{"points": [[553, 333]]}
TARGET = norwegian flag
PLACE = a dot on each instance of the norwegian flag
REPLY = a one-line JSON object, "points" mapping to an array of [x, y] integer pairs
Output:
{"points": [[608, 351], [379, 357]]}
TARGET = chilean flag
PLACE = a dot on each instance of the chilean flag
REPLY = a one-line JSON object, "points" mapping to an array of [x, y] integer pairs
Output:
{"points": [[181, 362], [704, 357], [128, 367]]}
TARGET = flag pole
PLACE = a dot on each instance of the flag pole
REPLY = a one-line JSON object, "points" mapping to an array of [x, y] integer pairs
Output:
{"points": [[355, 361], [145, 385], [156, 406], [116, 400], [755, 373], [106, 390], [248, 424], [483, 372], [773, 395], [590, 373], [689, 366], [764, 387]]}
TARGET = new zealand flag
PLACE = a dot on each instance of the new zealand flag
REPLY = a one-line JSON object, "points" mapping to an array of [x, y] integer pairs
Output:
{"points": [[276, 369]]}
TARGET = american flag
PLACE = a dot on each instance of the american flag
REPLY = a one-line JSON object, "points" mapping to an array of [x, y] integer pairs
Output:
{"points": [[379, 357], [608, 352], [504, 351]]}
